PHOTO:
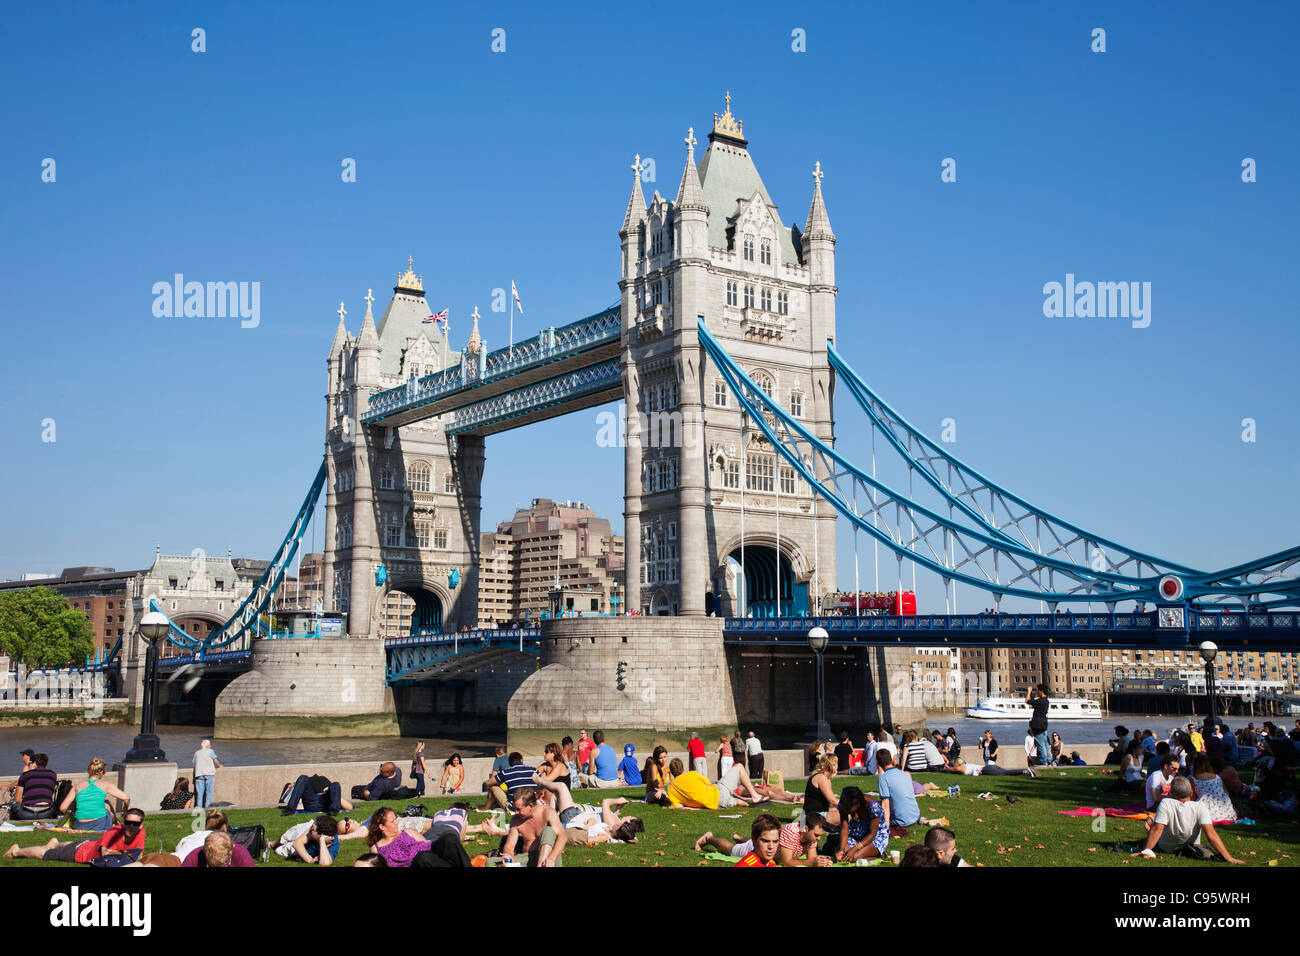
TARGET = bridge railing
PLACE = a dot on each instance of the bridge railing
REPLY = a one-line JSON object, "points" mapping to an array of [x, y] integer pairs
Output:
{"points": [[464, 637], [1236, 623], [212, 657], [550, 344]]}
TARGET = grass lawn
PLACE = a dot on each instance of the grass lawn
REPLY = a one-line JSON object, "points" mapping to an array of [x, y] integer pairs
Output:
{"points": [[989, 832]]}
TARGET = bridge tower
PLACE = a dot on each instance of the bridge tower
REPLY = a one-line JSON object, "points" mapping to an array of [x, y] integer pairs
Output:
{"points": [[719, 253], [402, 503]]}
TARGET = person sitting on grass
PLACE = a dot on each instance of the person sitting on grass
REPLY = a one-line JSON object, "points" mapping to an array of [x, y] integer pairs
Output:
{"points": [[797, 844], [1130, 778], [655, 775], [765, 840], [602, 765], [629, 774], [91, 799], [818, 794], [1154, 760], [1209, 789], [517, 776], [128, 836], [387, 783], [218, 850], [371, 860], [180, 797], [387, 838], [1178, 825], [535, 829], [319, 843], [1157, 786], [863, 834], [1077, 761], [33, 794], [897, 798], [944, 843], [213, 820]]}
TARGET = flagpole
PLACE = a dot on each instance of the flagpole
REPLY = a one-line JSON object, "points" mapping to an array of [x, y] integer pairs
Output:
{"points": [[512, 319]]}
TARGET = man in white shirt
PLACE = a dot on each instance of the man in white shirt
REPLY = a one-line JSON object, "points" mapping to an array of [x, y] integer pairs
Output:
{"points": [[1178, 826], [205, 770], [869, 753], [754, 751], [1159, 781]]}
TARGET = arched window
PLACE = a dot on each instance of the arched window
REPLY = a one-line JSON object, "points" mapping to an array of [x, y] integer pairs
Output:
{"points": [[766, 252], [749, 248], [419, 476], [763, 381]]}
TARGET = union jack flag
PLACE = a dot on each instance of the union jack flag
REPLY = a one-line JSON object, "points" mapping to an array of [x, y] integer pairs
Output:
{"points": [[439, 317]]}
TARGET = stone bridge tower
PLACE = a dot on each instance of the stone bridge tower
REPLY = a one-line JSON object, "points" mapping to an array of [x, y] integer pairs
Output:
{"points": [[719, 253], [403, 500]]}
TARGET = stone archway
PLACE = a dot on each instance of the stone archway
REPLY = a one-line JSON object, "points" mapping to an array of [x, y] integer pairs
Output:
{"points": [[422, 609]]}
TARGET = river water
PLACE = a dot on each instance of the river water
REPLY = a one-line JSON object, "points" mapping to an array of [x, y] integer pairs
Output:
{"points": [[70, 748]]}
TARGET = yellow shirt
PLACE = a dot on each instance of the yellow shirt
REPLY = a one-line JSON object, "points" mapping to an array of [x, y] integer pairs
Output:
{"points": [[693, 790], [1198, 741]]}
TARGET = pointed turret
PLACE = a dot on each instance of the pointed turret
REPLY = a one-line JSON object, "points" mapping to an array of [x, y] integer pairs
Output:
{"points": [[690, 195], [369, 338], [340, 336], [636, 203], [818, 225], [475, 343]]}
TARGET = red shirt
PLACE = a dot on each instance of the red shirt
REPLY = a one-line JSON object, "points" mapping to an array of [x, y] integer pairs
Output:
{"points": [[752, 859], [695, 748], [111, 840], [585, 746]]}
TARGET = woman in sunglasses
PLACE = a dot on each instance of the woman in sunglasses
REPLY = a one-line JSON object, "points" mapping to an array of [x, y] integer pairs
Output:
{"points": [[119, 839]]}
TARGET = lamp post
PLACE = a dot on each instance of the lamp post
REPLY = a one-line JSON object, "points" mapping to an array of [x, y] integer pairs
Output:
{"points": [[153, 628], [817, 639], [1209, 650]]}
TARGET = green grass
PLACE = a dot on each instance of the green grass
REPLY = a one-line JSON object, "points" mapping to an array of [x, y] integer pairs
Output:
{"points": [[993, 833]]}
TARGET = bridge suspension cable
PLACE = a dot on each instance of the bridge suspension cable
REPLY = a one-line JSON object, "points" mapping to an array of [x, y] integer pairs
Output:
{"points": [[987, 554], [246, 616]]}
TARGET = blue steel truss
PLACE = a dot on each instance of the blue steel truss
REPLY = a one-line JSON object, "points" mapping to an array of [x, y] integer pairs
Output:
{"points": [[550, 346], [984, 555], [259, 599], [561, 390], [1269, 630], [406, 655]]}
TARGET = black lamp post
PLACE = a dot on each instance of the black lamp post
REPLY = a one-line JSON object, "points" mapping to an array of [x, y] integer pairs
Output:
{"points": [[147, 749], [1209, 651], [817, 640]]}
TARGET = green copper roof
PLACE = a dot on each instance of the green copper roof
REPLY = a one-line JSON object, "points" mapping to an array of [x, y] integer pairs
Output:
{"points": [[728, 175], [402, 320]]}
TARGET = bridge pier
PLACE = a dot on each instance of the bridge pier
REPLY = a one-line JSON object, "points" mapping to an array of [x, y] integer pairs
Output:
{"points": [[309, 687]]}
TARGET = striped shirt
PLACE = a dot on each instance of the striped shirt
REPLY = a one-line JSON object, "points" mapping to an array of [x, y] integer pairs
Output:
{"points": [[914, 757], [790, 839], [516, 777], [38, 785]]}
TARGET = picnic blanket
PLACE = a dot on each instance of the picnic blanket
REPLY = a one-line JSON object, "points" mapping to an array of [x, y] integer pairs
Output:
{"points": [[8, 827], [58, 829], [1134, 811]]}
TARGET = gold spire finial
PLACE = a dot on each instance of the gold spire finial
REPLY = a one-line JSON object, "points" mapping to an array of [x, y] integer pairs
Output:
{"points": [[475, 343], [410, 281], [728, 125]]}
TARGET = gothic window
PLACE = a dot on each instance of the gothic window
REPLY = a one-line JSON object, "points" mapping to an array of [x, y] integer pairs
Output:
{"points": [[672, 531], [749, 296], [393, 536], [749, 248], [796, 404], [731, 477], [672, 472], [440, 538], [733, 293], [386, 479], [674, 391], [783, 303], [787, 480], [767, 299], [640, 241], [767, 252], [449, 484], [656, 293], [668, 289], [419, 476], [720, 394], [763, 381], [422, 533], [759, 472], [657, 243]]}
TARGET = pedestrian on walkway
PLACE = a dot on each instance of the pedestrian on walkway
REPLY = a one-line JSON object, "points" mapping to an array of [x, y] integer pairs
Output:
{"points": [[206, 765]]}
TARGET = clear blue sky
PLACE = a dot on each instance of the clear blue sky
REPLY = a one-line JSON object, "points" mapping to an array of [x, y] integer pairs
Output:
{"points": [[225, 166]]}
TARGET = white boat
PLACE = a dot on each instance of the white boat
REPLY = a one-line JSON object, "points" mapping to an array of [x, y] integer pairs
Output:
{"points": [[1015, 708]]}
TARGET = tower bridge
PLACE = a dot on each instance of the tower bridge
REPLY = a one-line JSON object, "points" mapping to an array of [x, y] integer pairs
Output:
{"points": [[722, 345]]}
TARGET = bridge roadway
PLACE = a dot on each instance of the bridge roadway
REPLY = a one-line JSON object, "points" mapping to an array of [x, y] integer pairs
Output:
{"points": [[434, 656], [561, 370]]}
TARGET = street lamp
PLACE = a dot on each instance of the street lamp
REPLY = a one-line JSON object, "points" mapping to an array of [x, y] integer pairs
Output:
{"points": [[147, 749], [1209, 650], [817, 639]]}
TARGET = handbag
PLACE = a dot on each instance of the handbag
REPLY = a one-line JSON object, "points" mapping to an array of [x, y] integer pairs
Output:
{"points": [[117, 859], [251, 838]]}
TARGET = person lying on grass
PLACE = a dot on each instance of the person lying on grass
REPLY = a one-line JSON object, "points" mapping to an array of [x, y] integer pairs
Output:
{"points": [[318, 843], [129, 835], [693, 790], [765, 838], [988, 770], [586, 824], [797, 843], [1178, 826], [455, 817], [776, 794]]}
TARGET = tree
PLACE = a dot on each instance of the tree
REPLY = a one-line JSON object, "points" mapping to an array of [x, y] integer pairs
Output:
{"points": [[39, 628]]}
